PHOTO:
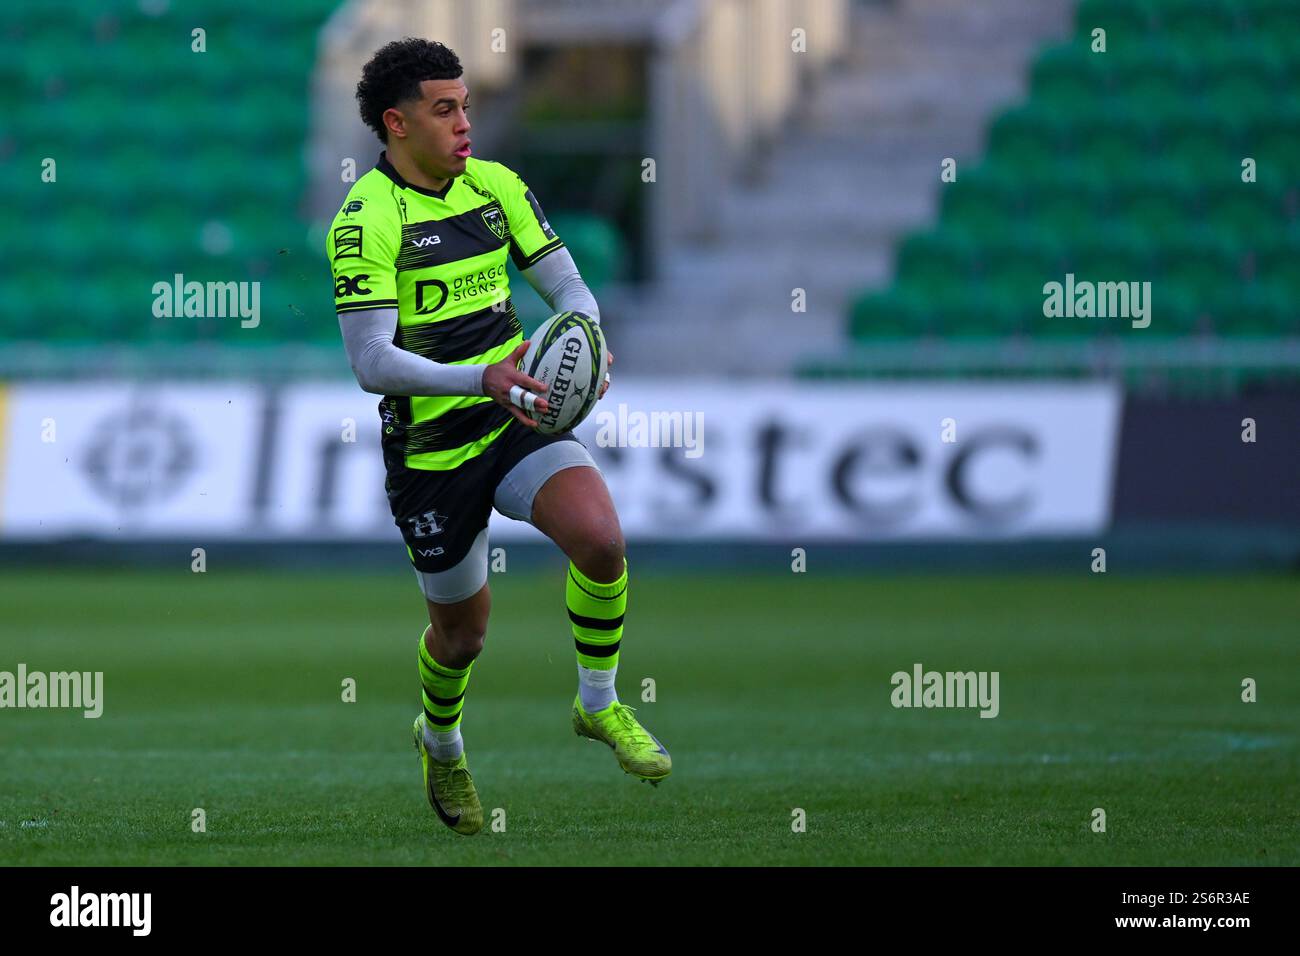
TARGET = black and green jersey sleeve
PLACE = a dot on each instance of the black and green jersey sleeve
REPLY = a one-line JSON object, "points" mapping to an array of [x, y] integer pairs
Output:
{"points": [[531, 236]]}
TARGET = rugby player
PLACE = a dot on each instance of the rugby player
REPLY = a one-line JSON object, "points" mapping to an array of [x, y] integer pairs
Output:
{"points": [[418, 252]]}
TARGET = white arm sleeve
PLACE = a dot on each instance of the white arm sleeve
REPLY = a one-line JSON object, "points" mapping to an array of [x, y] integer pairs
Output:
{"points": [[557, 281], [384, 369]]}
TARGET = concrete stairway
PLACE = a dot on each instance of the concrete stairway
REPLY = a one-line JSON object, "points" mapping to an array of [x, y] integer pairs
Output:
{"points": [[857, 169]]}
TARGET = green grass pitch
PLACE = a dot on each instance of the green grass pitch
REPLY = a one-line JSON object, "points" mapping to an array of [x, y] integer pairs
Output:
{"points": [[222, 691]]}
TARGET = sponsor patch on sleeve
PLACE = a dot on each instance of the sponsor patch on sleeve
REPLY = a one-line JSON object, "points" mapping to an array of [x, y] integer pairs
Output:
{"points": [[347, 242]]}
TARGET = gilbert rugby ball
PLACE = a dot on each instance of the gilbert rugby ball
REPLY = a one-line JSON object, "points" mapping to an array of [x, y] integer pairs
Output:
{"points": [[567, 354]]}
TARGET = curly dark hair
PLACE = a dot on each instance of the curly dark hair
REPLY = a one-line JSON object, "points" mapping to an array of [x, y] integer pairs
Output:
{"points": [[394, 74]]}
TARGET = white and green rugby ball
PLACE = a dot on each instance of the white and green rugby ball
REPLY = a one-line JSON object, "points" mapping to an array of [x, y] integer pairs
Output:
{"points": [[567, 354]]}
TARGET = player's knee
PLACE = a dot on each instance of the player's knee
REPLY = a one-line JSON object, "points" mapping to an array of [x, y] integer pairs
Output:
{"points": [[464, 644], [600, 553], [459, 642]]}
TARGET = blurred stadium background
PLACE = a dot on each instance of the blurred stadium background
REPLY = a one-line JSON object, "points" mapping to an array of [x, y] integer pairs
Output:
{"points": [[863, 338]]}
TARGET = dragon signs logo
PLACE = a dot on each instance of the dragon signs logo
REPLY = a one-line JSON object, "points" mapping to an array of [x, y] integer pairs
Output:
{"points": [[424, 301]]}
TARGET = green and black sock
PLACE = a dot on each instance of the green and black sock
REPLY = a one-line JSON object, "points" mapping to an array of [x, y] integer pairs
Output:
{"points": [[596, 611], [444, 696]]}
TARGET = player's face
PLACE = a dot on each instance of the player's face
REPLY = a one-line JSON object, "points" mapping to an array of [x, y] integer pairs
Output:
{"points": [[436, 127]]}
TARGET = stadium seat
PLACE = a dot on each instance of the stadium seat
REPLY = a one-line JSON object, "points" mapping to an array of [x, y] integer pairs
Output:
{"points": [[1014, 268], [45, 298], [72, 66], [1115, 253], [1277, 26], [1274, 142], [595, 244], [1070, 77], [1243, 80], [1066, 199], [1272, 257], [1207, 143], [1029, 137], [1160, 199], [882, 315], [1127, 166], [1127, 19], [1112, 140], [1243, 210], [1196, 25], [1154, 79], [1177, 312], [983, 199], [980, 311], [1201, 261], [935, 258], [1255, 309]]}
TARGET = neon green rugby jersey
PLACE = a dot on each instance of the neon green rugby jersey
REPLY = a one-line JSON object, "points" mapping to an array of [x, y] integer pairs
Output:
{"points": [[440, 259]]}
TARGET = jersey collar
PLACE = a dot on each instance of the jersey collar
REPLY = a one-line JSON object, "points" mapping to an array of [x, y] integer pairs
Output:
{"points": [[389, 170]]}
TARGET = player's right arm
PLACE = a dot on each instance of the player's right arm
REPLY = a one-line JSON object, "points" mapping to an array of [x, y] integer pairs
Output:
{"points": [[362, 249], [384, 369]]}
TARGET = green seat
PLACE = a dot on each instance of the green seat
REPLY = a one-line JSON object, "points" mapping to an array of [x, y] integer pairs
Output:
{"points": [[1030, 137], [1201, 261], [282, 318], [1196, 25], [1276, 26], [595, 244], [1208, 144], [1177, 312], [1254, 309], [1155, 79], [1015, 267], [1271, 257], [1244, 80], [97, 313], [28, 324], [1274, 142], [982, 194], [936, 299], [42, 55], [1115, 253], [82, 234], [979, 311], [891, 314], [1158, 199], [1069, 77], [1074, 197], [1112, 140], [1126, 19], [933, 258], [983, 199], [1243, 210]]}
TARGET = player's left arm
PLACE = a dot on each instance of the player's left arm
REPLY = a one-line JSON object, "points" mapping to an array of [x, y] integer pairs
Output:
{"points": [[557, 280], [542, 258]]}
